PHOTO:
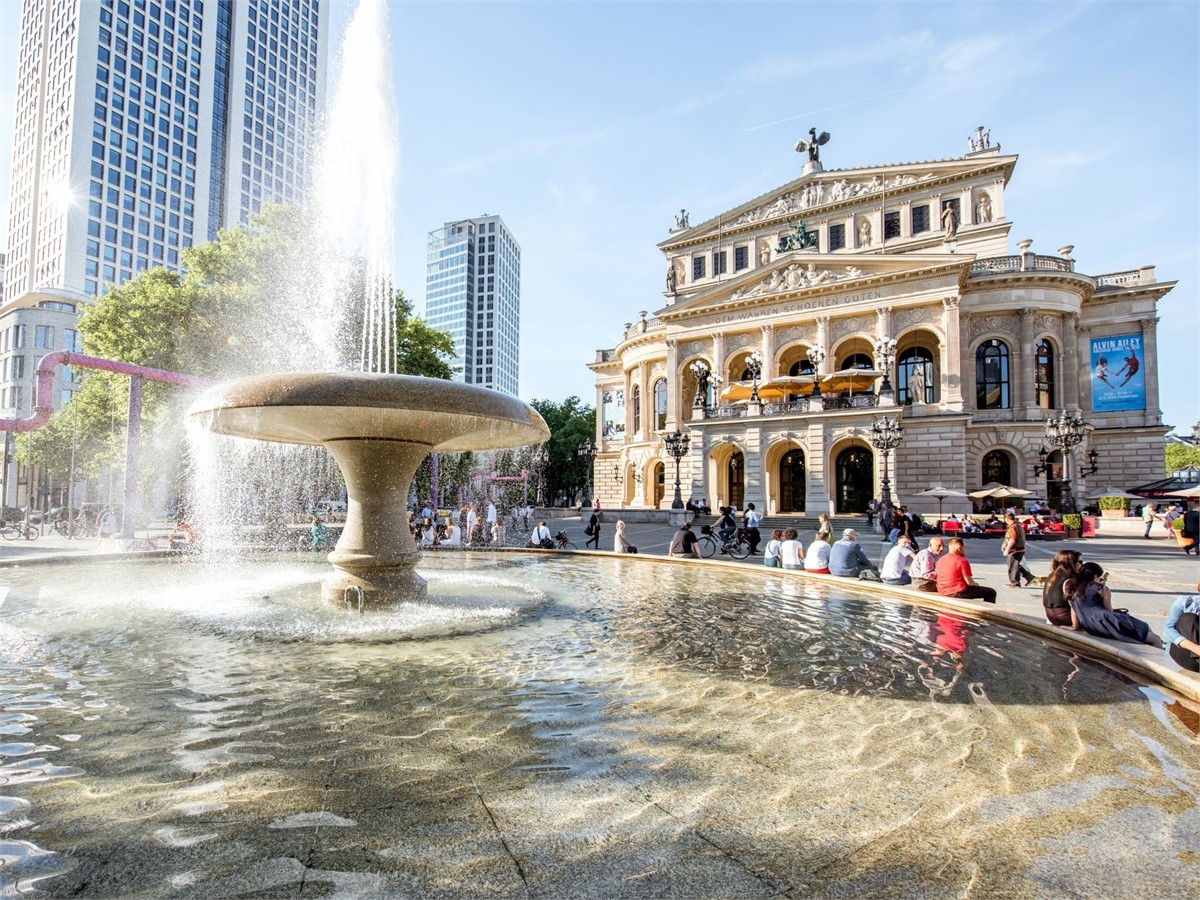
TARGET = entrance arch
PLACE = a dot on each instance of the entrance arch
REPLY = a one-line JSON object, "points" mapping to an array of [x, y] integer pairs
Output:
{"points": [[854, 471], [735, 479], [657, 486], [792, 482]]}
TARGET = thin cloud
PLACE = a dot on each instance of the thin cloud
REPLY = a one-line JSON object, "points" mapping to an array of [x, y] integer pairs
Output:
{"points": [[543, 145], [813, 112]]}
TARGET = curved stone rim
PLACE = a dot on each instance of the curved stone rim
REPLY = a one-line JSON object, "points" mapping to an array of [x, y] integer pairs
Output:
{"points": [[316, 407]]}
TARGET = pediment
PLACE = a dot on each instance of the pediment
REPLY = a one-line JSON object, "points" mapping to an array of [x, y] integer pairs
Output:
{"points": [[818, 191], [803, 273]]}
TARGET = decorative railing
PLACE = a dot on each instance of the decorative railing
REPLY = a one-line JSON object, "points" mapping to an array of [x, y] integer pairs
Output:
{"points": [[786, 409], [854, 401], [724, 412], [1117, 279], [1023, 262]]}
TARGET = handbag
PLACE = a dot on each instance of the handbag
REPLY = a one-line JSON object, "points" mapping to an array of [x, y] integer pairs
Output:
{"points": [[630, 549], [590, 530]]}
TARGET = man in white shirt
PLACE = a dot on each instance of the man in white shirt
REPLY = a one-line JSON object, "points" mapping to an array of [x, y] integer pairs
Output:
{"points": [[490, 515], [923, 570], [897, 561], [540, 535]]}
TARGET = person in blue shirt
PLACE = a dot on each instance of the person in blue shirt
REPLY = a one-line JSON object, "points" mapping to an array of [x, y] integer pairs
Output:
{"points": [[846, 557], [1181, 631]]}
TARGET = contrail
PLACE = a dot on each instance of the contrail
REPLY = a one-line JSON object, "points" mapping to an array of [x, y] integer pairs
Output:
{"points": [[828, 108]]}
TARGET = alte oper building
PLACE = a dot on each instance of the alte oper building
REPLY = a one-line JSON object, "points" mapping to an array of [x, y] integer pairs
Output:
{"points": [[792, 324]]}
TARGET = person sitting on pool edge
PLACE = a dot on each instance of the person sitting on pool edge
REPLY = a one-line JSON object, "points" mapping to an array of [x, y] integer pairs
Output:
{"points": [[684, 542], [847, 559], [954, 578]]}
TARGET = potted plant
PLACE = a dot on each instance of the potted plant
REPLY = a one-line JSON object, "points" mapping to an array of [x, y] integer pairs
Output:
{"points": [[1073, 522], [1114, 507]]}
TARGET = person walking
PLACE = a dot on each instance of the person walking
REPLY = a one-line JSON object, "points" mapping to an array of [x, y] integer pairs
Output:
{"points": [[750, 521], [593, 530], [1013, 547], [954, 577], [1149, 515]]}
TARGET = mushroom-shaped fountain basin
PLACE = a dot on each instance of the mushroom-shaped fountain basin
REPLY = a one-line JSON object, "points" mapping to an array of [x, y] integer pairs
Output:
{"points": [[378, 428]]}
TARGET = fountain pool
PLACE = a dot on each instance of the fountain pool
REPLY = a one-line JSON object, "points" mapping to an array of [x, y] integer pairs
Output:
{"points": [[584, 727]]}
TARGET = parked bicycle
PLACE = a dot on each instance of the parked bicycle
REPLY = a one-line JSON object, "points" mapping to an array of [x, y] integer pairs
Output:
{"points": [[562, 542], [710, 543], [10, 531]]}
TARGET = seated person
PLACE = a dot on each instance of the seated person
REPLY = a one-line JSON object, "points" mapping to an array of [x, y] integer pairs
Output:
{"points": [[1092, 611], [923, 570], [816, 560], [684, 543], [791, 550], [897, 561], [954, 578], [453, 534], [846, 557], [1181, 631], [1031, 526]]}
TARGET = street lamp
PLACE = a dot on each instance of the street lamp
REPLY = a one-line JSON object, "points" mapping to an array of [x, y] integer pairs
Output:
{"points": [[755, 364], [1064, 433], [677, 448], [587, 452], [702, 374], [816, 356], [885, 355], [886, 435]]}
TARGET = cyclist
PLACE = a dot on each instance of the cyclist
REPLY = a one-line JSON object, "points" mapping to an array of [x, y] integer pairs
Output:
{"points": [[726, 526]]}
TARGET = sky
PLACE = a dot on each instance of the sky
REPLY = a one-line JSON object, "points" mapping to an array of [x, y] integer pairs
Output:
{"points": [[588, 126]]}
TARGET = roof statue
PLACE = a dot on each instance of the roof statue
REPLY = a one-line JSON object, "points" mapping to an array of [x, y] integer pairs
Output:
{"points": [[813, 145], [800, 239]]}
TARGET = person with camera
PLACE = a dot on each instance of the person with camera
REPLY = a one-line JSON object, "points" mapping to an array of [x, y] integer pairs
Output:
{"points": [[1092, 610]]}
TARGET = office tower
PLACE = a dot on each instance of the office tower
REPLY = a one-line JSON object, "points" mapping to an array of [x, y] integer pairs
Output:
{"points": [[473, 293], [142, 127]]}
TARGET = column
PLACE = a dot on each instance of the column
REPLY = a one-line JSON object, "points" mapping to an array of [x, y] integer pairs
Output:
{"points": [[1150, 367], [718, 365], [883, 322], [1068, 392], [952, 362], [674, 385], [768, 352], [1021, 367], [1083, 351], [823, 345]]}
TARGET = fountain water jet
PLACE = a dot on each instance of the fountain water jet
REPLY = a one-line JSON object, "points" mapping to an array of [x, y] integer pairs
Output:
{"points": [[378, 428]]}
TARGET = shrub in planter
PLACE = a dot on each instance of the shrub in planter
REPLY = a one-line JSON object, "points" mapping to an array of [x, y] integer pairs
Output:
{"points": [[1114, 507], [1073, 522]]}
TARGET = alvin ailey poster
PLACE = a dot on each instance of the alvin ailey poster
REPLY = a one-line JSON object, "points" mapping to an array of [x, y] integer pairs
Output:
{"points": [[1118, 373]]}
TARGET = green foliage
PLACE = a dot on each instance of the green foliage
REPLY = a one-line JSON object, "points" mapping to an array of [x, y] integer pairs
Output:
{"points": [[1114, 503], [1072, 522], [1180, 456], [1177, 524], [571, 423]]}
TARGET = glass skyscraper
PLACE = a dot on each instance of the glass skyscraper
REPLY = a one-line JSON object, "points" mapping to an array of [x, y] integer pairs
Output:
{"points": [[473, 293]]}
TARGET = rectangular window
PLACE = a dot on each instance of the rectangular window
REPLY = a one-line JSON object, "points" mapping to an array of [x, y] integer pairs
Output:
{"points": [[17, 369], [18, 337], [697, 268], [43, 336], [741, 258], [920, 219], [837, 237], [719, 263], [891, 225]]}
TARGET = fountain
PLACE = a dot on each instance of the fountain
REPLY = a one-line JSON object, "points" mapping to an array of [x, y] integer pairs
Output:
{"points": [[378, 428]]}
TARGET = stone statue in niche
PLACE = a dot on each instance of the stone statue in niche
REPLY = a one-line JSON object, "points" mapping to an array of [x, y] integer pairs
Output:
{"points": [[672, 278], [949, 221], [680, 272], [864, 233], [983, 209], [916, 386], [764, 253]]}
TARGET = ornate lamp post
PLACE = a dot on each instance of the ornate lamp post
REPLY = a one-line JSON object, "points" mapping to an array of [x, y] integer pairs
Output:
{"points": [[587, 452], [1064, 433], [816, 356], [702, 374], [755, 364], [677, 448], [886, 435], [885, 355]]}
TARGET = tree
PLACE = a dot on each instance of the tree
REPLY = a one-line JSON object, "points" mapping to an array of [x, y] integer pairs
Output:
{"points": [[570, 423], [1180, 456]]}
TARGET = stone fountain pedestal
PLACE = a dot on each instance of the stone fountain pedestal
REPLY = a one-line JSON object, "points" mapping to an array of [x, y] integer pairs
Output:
{"points": [[378, 428]]}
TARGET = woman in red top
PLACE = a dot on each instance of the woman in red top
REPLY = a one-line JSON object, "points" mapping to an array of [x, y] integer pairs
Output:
{"points": [[954, 576]]}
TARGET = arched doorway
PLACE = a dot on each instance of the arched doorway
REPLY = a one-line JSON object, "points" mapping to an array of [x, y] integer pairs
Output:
{"points": [[657, 485], [735, 478], [997, 467], [1054, 480], [791, 482], [855, 470]]}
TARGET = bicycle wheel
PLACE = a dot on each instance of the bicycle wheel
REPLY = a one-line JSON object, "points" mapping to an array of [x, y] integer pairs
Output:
{"points": [[31, 533], [10, 532], [708, 546], [567, 545], [739, 549]]}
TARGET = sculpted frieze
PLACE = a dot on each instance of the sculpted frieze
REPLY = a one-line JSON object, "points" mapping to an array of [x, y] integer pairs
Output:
{"points": [[688, 349], [1006, 324], [842, 327], [818, 193], [790, 334], [738, 341], [917, 315], [1045, 323], [796, 277]]}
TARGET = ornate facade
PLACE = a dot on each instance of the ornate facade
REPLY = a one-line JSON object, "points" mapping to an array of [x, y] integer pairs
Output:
{"points": [[805, 286]]}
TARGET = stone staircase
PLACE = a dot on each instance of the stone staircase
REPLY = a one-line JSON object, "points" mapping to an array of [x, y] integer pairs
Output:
{"points": [[807, 525]]}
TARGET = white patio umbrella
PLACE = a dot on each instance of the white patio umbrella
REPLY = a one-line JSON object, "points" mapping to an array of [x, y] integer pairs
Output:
{"points": [[1193, 493], [941, 492], [998, 491], [1109, 491]]}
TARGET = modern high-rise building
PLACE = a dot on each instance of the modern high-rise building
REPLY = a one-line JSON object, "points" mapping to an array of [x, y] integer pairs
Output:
{"points": [[142, 127], [473, 293]]}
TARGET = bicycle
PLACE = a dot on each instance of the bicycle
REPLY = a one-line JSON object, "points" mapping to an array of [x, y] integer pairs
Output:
{"points": [[63, 527], [14, 530], [737, 546], [562, 542]]}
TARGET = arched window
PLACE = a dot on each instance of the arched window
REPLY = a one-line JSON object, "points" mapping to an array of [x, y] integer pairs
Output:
{"points": [[912, 361], [802, 367], [857, 361], [660, 404], [991, 375], [997, 467], [1043, 380], [637, 408]]}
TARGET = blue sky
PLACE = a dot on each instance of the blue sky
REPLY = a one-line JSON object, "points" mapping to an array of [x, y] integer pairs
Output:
{"points": [[587, 126]]}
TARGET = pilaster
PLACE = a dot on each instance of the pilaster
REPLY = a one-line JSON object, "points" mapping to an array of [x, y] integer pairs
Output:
{"points": [[954, 325], [1022, 369], [674, 420], [1150, 352], [1069, 393]]}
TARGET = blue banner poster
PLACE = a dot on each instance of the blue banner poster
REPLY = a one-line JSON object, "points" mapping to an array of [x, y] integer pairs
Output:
{"points": [[1118, 373]]}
